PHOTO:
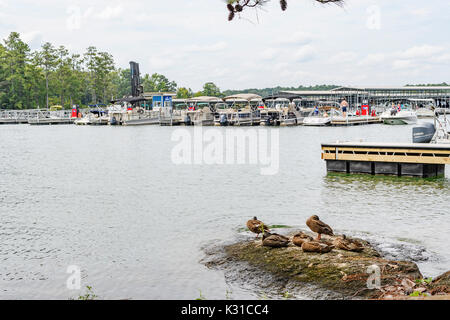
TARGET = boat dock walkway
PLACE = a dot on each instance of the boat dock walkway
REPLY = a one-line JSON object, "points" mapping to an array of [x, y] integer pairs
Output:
{"points": [[399, 159], [35, 117], [354, 121]]}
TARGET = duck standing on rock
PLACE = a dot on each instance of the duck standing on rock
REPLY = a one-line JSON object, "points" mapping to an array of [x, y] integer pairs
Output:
{"points": [[256, 226], [274, 240], [319, 227], [316, 246], [344, 243], [299, 238]]}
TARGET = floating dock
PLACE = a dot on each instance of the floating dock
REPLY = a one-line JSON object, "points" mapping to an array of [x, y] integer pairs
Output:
{"points": [[354, 121], [50, 121], [397, 159]]}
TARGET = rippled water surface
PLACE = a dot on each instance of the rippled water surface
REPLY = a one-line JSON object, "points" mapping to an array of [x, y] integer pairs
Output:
{"points": [[110, 200]]}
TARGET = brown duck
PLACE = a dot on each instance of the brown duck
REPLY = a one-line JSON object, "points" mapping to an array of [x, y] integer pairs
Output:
{"points": [[256, 226], [299, 238], [274, 240], [316, 246], [319, 227], [344, 243]]}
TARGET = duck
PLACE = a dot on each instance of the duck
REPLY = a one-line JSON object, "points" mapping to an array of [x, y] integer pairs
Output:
{"points": [[316, 246], [256, 226], [344, 243], [274, 240], [299, 238], [319, 227]]}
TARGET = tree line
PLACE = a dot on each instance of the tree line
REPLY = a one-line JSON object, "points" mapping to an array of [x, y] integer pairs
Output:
{"points": [[52, 75]]}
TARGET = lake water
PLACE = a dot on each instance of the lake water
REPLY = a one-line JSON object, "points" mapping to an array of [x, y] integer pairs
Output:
{"points": [[111, 201]]}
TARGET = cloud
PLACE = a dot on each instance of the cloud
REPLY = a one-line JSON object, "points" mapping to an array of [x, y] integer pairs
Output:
{"points": [[424, 51], [33, 38], [343, 57], [110, 13], [372, 59], [299, 37], [161, 62], [305, 53], [218, 46], [421, 12], [403, 64], [268, 53]]}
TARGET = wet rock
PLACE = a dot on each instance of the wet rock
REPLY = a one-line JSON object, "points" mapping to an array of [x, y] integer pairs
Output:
{"points": [[340, 271]]}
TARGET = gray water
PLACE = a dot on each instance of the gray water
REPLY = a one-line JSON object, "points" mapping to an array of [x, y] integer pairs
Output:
{"points": [[111, 201]]}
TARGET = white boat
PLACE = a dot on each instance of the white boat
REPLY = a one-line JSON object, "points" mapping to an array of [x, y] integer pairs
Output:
{"points": [[201, 110], [425, 108], [322, 114], [247, 109], [399, 114]]}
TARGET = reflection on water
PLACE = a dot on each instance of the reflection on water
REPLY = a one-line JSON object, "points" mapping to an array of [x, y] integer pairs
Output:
{"points": [[109, 200]]}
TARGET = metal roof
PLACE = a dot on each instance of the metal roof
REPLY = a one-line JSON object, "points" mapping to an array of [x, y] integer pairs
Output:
{"points": [[406, 88]]}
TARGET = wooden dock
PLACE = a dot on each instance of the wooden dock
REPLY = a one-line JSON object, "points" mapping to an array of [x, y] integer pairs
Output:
{"points": [[354, 121], [399, 159]]}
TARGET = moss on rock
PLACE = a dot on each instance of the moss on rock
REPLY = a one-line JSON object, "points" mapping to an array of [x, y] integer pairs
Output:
{"points": [[341, 271]]}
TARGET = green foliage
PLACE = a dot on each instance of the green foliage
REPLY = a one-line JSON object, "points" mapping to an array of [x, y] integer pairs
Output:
{"points": [[183, 93], [158, 83], [210, 89], [89, 295], [201, 297], [418, 294]]}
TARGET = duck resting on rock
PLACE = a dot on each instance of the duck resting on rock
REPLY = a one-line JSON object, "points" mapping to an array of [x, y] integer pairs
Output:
{"points": [[344, 243], [274, 240], [256, 226], [299, 238], [316, 246], [319, 227]]}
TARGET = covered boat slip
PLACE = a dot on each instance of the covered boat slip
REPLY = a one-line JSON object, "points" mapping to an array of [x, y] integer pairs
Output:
{"points": [[399, 159], [375, 96]]}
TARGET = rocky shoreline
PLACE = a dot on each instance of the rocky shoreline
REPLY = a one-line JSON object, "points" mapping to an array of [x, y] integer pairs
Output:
{"points": [[340, 271]]}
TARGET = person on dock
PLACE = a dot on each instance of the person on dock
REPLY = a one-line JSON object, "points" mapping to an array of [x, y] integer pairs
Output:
{"points": [[344, 106]]}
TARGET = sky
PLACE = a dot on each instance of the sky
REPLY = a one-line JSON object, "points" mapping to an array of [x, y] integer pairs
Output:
{"points": [[364, 43]]}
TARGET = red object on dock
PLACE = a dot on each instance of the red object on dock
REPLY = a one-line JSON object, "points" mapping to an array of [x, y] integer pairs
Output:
{"points": [[365, 110], [74, 111]]}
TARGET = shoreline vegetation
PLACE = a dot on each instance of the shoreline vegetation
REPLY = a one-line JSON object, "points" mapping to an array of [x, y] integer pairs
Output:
{"points": [[54, 76], [345, 273]]}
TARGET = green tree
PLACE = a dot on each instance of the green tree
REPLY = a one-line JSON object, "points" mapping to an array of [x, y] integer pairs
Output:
{"points": [[210, 89], [14, 59], [34, 82], [48, 61], [158, 83], [183, 93]]}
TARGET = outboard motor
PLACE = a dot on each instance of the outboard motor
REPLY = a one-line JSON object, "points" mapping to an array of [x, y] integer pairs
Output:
{"points": [[423, 133], [223, 120], [113, 121], [187, 120]]}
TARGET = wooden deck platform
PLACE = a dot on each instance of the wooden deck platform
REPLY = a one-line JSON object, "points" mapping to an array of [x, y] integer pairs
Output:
{"points": [[401, 159], [354, 121]]}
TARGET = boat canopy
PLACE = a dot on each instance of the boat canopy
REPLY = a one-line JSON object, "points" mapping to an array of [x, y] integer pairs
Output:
{"points": [[205, 99], [243, 97]]}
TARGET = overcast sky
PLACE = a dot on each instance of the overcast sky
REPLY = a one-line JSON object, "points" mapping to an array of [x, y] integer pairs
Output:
{"points": [[368, 42]]}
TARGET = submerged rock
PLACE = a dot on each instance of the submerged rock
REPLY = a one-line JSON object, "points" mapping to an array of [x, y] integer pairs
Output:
{"points": [[341, 271]]}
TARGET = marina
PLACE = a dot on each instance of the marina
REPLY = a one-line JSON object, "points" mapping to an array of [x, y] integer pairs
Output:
{"points": [[397, 105]]}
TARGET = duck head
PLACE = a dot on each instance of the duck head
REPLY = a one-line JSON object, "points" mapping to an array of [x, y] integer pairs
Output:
{"points": [[314, 217]]}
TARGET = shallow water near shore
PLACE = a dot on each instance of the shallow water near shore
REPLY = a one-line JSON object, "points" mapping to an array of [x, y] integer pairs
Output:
{"points": [[111, 201]]}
